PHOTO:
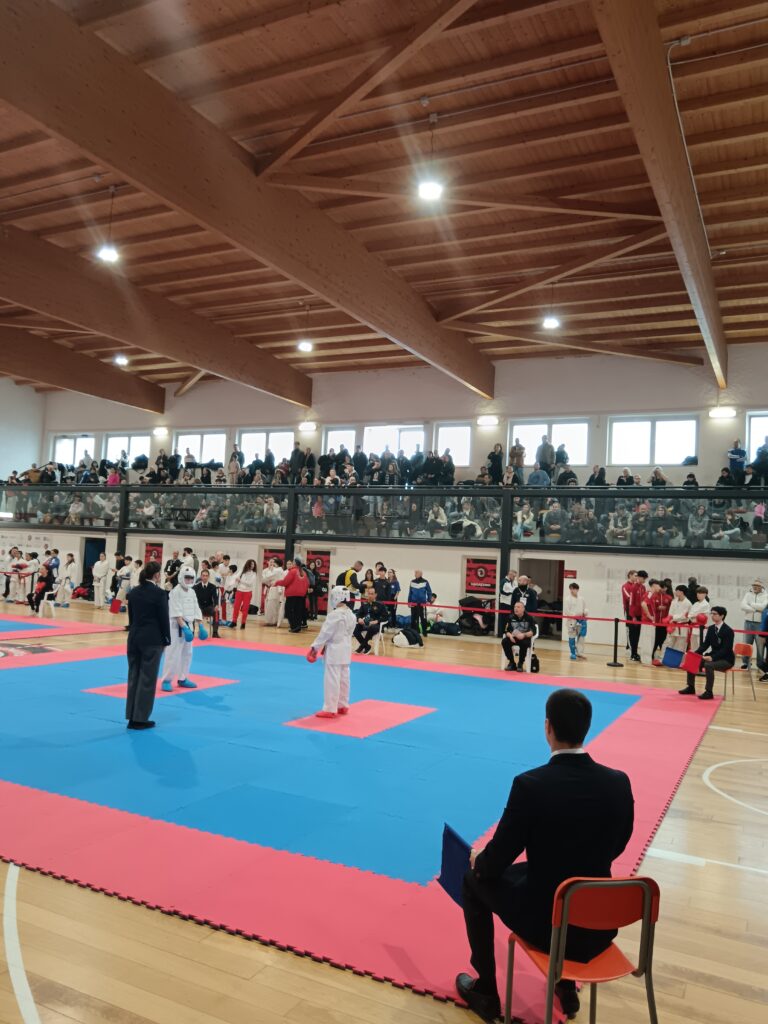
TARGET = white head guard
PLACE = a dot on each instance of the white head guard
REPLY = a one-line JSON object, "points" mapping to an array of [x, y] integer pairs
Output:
{"points": [[337, 596]]}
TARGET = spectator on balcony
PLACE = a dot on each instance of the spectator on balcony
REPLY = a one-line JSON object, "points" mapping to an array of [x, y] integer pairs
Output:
{"points": [[561, 456], [483, 478], [310, 462], [657, 478], [662, 528], [597, 477], [495, 464], [417, 461], [589, 530], [161, 461], [268, 467], [725, 479], [296, 463], [447, 469], [525, 522], [545, 455], [517, 459], [555, 523], [567, 477], [437, 521], [641, 524], [698, 524], [691, 481], [625, 478], [538, 477], [737, 460], [619, 525], [432, 469], [189, 460], [509, 479]]}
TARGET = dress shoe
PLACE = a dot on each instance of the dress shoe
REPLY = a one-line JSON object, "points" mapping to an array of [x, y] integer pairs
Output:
{"points": [[569, 999], [509, 667], [486, 1006], [140, 725], [360, 649], [688, 690], [707, 695], [763, 678]]}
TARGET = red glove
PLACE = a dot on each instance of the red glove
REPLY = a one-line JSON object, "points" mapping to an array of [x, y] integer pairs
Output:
{"points": [[671, 627], [701, 619], [312, 655]]}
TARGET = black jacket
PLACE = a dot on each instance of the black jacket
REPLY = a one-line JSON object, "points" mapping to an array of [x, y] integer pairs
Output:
{"points": [[148, 619], [719, 645], [572, 817], [529, 598]]}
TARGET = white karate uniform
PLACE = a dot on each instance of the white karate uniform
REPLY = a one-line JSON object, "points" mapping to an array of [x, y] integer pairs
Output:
{"points": [[182, 603], [100, 569], [19, 581], [124, 576], [575, 606], [66, 582], [336, 637]]}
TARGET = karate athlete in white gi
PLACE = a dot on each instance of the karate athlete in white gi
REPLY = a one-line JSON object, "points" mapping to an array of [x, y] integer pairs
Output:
{"points": [[336, 637], [184, 612]]}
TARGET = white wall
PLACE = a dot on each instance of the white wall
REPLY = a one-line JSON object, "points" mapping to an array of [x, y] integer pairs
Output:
{"points": [[592, 388], [21, 417]]}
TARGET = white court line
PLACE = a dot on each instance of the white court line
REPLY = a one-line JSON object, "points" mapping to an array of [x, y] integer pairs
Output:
{"points": [[724, 764], [699, 862], [744, 732], [13, 957]]}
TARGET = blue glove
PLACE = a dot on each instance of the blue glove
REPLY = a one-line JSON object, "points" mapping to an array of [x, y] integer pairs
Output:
{"points": [[187, 634], [202, 632]]}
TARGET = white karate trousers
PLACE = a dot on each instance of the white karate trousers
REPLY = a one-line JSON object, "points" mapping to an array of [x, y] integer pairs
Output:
{"points": [[178, 657], [335, 687]]}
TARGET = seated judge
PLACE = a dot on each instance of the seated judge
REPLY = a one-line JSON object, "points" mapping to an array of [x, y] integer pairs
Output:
{"points": [[370, 617], [518, 632], [718, 642], [572, 817]]}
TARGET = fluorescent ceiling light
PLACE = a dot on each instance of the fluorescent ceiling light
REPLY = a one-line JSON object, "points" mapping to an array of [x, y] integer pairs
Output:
{"points": [[308, 427], [160, 432], [722, 412], [487, 421]]}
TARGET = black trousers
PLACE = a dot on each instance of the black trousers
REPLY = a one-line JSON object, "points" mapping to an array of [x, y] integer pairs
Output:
{"points": [[659, 638], [710, 667], [633, 631], [143, 666], [419, 616], [364, 634], [294, 612], [523, 646], [501, 618]]}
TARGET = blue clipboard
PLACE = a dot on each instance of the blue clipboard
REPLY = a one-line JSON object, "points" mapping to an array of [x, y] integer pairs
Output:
{"points": [[454, 864]]}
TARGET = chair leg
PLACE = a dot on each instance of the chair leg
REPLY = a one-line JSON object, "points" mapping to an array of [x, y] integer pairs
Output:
{"points": [[508, 994], [549, 1010], [593, 1003], [651, 996], [752, 684]]}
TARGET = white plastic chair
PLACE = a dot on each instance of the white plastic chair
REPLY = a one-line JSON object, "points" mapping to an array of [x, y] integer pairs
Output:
{"points": [[529, 655], [48, 602]]}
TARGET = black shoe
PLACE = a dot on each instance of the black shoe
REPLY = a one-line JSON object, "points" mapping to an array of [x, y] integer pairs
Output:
{"points": [[569, 999], [242, 625], [763, 678], [487, 1007], [360, 649], [366, 649], [295, 630], [521, 668], [509, 667], [707, 695], [215, 634], [636, 657], [687, 690], [140, 725]]}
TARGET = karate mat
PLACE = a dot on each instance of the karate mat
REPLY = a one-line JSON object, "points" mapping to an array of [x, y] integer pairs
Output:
{"points": [[28, 627], [238, 813]]}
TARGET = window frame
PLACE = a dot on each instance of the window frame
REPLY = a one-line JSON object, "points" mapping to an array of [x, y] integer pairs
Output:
{"points": [[747, 442], [395, 426], [329, 430], [437, 447], [128, 435], [186, 432], [548, 423], [687, 417], [74, 438]]}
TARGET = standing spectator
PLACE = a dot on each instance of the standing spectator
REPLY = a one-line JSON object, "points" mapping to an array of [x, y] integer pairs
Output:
{"points": [[419, 596], [519, 631], [719, 643], [296, 584], [545, 456], [245, 583], [753, 605], [655, 609], [737, 461], [517, 459], [525, 594], [495, 465], [233, 471], [393, 591], [575, 611], [505, 600], [637, 599], [296, 463], [561, 456], [381, 584]]}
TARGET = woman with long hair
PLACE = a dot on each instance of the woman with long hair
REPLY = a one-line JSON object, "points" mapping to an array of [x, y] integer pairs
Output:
{"points": [[246, 583], [296, 584]]}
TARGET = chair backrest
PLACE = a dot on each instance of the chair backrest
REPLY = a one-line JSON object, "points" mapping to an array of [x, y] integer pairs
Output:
{"points": [[605, 904], [742, 650]]}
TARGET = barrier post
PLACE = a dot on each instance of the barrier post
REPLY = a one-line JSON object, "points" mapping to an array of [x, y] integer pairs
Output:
{"points": [[615, 663]]}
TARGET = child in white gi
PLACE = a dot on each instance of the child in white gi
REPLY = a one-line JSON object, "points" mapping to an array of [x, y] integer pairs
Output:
{"points": [[336, 637], [575, 612], [184, 612]]}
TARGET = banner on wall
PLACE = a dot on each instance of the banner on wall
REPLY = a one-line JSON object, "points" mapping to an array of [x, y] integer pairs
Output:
{"points": [[25, 541], [153, 553], [319, 563], [569, 574], [480, 576]]}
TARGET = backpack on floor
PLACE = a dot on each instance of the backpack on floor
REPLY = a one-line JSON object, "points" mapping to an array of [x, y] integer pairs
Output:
{"points": [[535, 666], [407, 638]]}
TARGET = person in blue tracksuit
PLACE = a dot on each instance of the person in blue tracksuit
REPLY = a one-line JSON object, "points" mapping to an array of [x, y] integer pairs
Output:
{"points": [[419, 596]]}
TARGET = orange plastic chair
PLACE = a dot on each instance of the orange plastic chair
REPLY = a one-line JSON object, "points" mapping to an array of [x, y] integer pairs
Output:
{"points": [[741, 651], [598, 903]]}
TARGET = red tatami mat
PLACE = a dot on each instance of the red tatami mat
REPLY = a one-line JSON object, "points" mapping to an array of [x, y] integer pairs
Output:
{"points": [[48, 627], [406, 933]]}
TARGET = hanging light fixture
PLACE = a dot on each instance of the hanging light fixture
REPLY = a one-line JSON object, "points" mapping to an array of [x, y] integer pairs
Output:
{"points": [[107, 252], [551, 322], [120, 360], [304, 344], [430, 188]]}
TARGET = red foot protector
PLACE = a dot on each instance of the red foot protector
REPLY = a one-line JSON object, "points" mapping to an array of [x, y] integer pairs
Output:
{"points": [[203, 683], [366, 718]]}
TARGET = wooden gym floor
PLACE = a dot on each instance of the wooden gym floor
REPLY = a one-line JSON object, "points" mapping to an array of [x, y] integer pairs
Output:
{"points": [[92, 959]]}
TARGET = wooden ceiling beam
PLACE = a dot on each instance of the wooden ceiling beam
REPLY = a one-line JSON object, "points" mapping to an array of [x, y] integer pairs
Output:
{"points": [[155, 142], [44, 176], [595, 348], [99, 14], [22, 352], [637, 241], [635, 50], [393, 58], [189, 383], [46, 278]]}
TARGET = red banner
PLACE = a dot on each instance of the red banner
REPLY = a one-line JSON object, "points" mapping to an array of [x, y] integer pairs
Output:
{"points": [[480, 576], [153, 553], [569, 574]]}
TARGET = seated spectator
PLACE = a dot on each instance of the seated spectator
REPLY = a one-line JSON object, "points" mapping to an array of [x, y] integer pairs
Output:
{"points": [[731, 527], [619, 525], [625, 478], [725, 479], [437, 521], [555, 522], [717, 651], [597, 477], [567, 477], [698, 525], [509, 479], [518, 633], [690, 480], [662, 528], [371, 616], [538, 477], [641, 523], [525, 522], [657, 478]]}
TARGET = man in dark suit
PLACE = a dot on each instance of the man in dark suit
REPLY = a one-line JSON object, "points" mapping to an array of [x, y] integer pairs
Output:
{"points": [[572, 817], [370, 617], [149, 633], [719, 642]]}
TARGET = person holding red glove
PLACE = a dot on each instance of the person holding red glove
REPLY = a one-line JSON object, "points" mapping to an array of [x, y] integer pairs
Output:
{"points": [[335, 641]]}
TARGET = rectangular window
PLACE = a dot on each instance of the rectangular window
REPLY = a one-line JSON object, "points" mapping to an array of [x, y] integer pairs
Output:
{"points": [[575, 437], [630, 443], [458, 439], [529, 435], [757, 433], [69, 450], [665, 441], [281, 444], [133, 444], [204, 447], [338, 436], [378, 438], [253, 443]]}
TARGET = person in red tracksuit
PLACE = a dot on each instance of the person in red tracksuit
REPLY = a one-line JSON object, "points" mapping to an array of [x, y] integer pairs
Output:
{"points": [[296, 583], [655, 610], [626, 590], [637, 597]]}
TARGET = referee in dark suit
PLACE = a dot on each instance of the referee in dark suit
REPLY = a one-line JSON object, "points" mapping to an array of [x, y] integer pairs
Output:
{"points": [[572, 817], [718, 640], [149, 633]]}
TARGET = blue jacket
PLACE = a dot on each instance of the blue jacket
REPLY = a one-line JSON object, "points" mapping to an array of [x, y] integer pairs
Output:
{"points": [[419, 592], [538, 478]]}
